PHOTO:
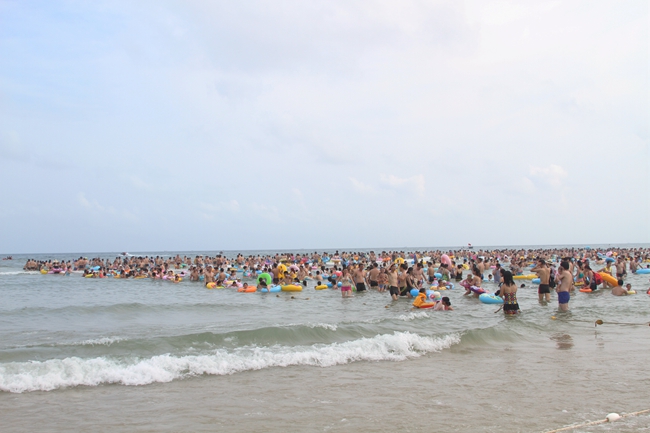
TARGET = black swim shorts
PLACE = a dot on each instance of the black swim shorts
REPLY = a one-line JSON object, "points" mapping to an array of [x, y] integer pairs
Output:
{"points": [[361, 287], [393, 290], [543, 288]]}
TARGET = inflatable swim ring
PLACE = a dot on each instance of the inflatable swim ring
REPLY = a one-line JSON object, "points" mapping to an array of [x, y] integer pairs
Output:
{"points": [[490, 298], [536, 281], [631, 292], [525, 277], [585, 290], [291, 288], [321, 287], [43, 271], [266, 277], [478, 290], [249, 289], [643, 271], [606, 277]]}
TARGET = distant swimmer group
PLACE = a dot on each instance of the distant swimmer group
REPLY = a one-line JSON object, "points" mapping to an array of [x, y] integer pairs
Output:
{"points": [[419, 274]]}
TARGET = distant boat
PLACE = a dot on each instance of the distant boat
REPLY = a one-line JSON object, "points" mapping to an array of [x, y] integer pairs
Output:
{"points": [[8, 258], [469, 246]]}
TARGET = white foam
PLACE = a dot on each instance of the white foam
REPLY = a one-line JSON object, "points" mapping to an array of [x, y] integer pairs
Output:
{"points": [[311, 325], [20, 273], [105, 341], [323, 325], [68, 372], [412, 316]]}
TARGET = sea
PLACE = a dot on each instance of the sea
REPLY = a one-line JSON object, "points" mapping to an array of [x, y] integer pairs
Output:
{"points": [[114, 355]]}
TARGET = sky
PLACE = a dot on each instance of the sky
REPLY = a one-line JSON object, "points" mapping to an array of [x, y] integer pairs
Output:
{"points": [[219, 125]]}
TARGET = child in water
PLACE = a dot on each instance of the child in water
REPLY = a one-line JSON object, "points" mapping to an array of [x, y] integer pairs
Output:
{"points": [[421, 300]]}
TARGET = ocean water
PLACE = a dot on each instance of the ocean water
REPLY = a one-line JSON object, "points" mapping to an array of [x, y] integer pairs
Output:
{"points": [[142, 355]]}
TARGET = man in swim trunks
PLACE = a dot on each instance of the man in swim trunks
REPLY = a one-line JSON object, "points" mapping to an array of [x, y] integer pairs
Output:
{"points": [[359, 278], [401, 280], [373, 276], [543, 272], [621, 271], [431, 272], [392, 282], [565, 281]]}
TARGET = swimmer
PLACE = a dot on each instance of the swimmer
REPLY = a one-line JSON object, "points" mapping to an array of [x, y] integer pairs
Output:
{"points": [[421, 300], [620, 290], [443, 305]]}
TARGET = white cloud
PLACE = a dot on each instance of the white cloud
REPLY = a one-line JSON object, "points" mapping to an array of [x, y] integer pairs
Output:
{"points": [[413, 183], [361, 187], [552, 175], [221, 207], [270, 213], [94, 206]]}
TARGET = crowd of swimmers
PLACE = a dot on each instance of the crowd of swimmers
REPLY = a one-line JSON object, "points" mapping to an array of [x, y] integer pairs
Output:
{"points": [[414, 274]]}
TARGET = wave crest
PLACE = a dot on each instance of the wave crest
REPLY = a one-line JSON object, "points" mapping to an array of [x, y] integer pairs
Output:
{"points": [[61, 373]]}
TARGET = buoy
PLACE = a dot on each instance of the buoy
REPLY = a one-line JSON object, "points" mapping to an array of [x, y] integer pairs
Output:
{"points": [[613, 417]]}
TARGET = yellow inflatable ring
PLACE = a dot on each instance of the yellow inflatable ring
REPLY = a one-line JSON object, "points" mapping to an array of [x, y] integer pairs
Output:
{"points": [[525, 277], [292, 288], [606, 277], [321, 287]]}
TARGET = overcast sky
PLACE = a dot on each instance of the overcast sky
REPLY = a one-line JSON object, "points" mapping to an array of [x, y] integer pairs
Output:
{"points": [[207, 125]]}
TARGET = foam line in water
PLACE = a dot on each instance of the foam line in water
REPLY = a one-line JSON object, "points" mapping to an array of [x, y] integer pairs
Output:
{"points": [[68, 372], [412, 316]]}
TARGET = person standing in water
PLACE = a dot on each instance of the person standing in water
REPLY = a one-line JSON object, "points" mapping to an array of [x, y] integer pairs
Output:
{"points": [[393, 282], [346, 284], [565, 281], [509, 294], [544, 274]]}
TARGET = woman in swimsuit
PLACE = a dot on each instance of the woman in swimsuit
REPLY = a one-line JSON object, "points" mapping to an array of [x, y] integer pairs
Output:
{"points": [[509, 294], [346, 284]]}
